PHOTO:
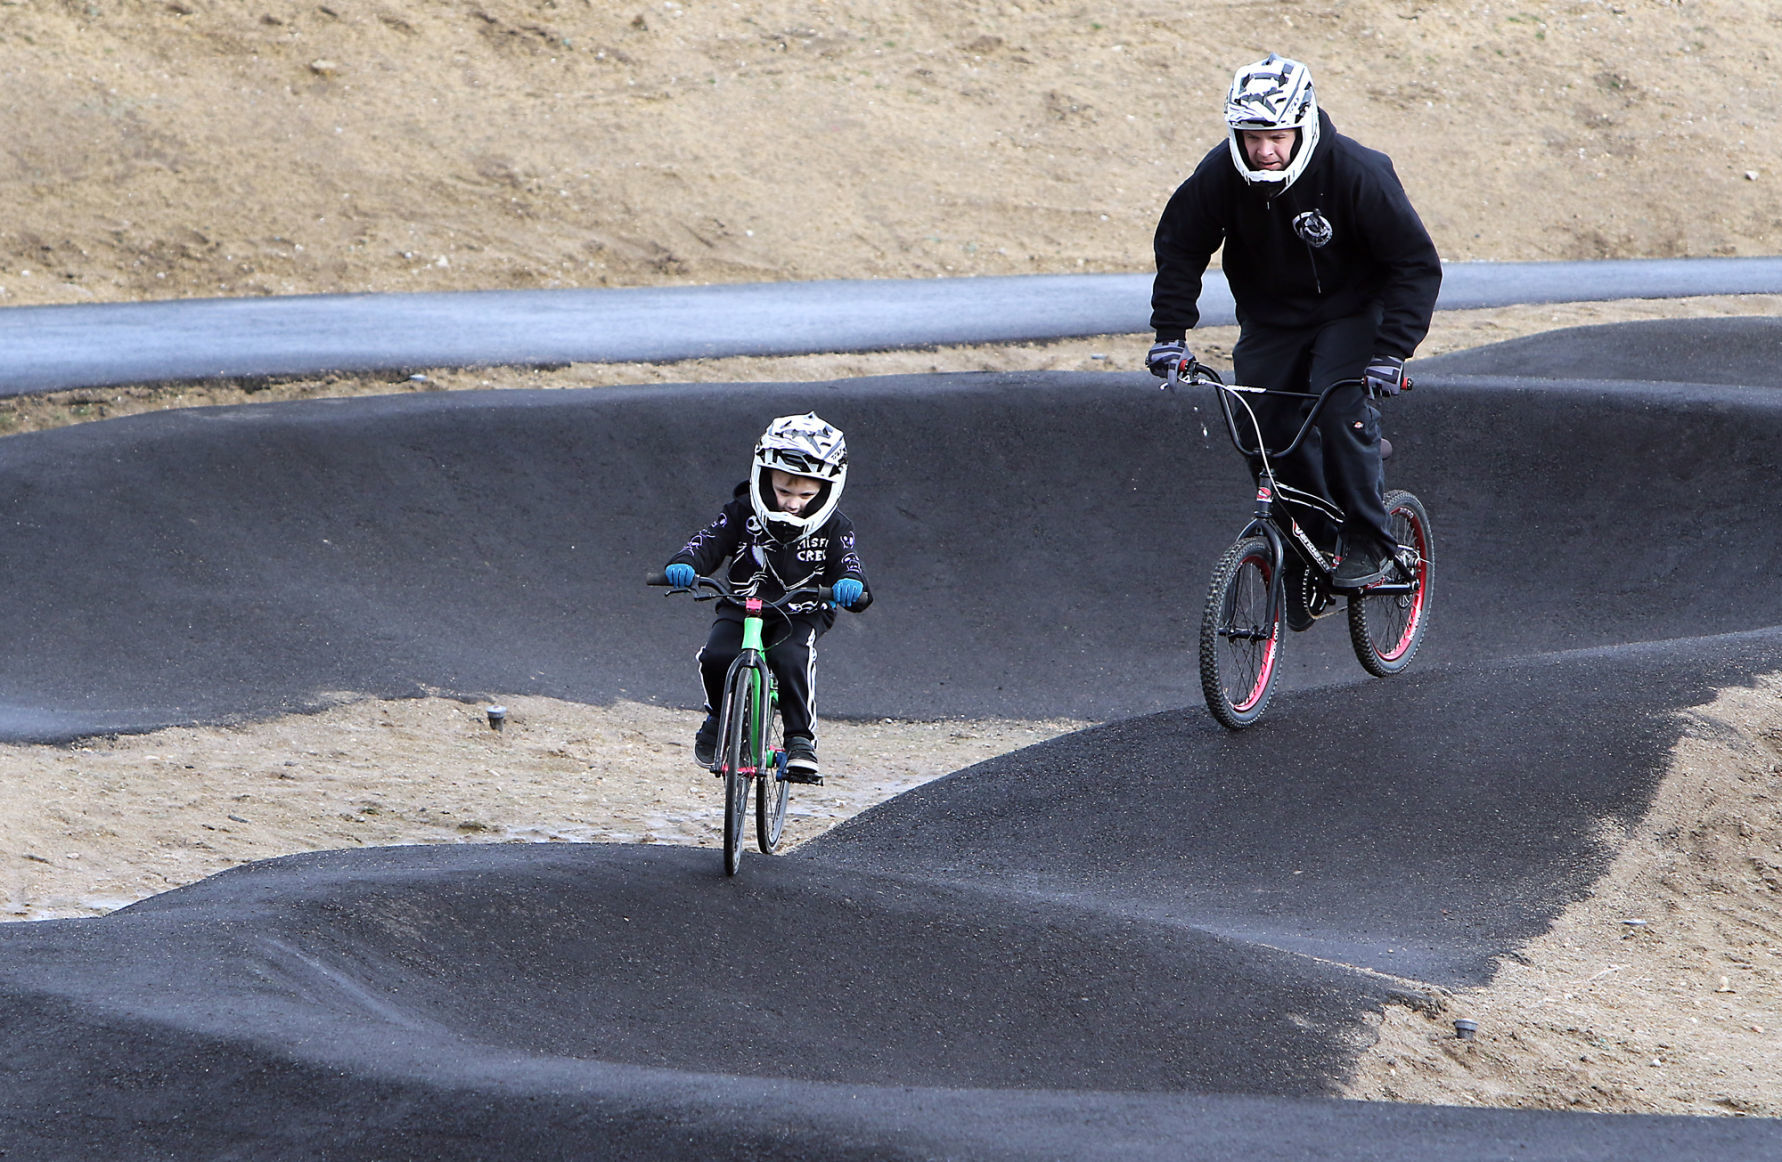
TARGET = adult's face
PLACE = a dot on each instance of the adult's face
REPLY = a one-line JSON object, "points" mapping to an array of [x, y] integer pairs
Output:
{"points": [[1269, 148]]}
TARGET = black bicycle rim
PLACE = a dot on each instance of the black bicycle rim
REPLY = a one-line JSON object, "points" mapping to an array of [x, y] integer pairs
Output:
{"points": [[736, 764], [771, 796], [1240, 644], [1386, 628]]}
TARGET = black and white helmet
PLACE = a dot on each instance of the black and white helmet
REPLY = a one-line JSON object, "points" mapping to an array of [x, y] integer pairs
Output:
{"points": [[1272, 94], [804, 446]]}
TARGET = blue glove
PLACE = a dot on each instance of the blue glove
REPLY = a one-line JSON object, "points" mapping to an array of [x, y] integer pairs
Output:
{"points": [[1385, 375], [1165, 354], [847, 591], [680, 575]]}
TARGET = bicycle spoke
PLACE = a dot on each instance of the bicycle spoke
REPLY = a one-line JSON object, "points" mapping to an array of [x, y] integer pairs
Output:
{"points": [[1240, 641], [773, 791], [1386, 628], [740, 699]]}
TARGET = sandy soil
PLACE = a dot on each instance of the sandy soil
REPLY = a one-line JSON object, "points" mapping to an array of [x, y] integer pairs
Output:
{"points": [[96, 825], [182, 148], [167, 148], [1661, 992]]}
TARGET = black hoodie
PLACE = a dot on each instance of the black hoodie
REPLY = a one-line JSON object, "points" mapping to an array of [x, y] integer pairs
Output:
{"points": [[761, 565], [1376, 249]]}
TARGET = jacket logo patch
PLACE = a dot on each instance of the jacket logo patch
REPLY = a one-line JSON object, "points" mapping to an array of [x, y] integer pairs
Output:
{"points": [[1313, 227]]}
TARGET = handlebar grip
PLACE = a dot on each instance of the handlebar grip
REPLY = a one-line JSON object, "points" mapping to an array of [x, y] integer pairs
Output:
{"points": [[657, 578]]}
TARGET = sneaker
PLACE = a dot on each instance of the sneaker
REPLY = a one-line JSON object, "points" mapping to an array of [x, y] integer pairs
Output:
{"points": [[1293, 581], [801, 761], [1360, 568], [705, 742]]}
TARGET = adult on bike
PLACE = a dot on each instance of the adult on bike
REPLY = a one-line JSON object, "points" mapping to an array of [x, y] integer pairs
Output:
{"points": [[1334, 277]]}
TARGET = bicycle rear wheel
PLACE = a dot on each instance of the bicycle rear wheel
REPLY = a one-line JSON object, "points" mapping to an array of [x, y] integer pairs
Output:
{"points": [[1240, 644], [738, 760], [771, 795], [1387, 628]]}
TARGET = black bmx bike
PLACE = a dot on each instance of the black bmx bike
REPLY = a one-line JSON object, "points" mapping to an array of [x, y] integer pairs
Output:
{"points": [[751, 750], [1276, 576]]}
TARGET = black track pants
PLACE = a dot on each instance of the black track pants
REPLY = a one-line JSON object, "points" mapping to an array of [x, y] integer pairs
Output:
{"points": [[1339, 458], [791, 654]]}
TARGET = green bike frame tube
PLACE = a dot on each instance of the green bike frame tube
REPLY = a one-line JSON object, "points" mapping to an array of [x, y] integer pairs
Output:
{"points": [[754, 656]]}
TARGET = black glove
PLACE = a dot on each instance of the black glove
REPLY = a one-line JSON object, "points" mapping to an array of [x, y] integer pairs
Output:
{"points": [[1165, 354], [1385, 375]]}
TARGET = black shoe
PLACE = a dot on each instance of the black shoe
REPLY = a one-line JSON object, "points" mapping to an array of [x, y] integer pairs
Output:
{"points": [[1360, 568], [705, 743], [801, 761], [1293, 582]]}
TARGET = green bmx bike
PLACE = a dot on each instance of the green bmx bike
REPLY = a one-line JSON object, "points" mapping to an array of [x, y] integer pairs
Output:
{"points": [[751, 750]]}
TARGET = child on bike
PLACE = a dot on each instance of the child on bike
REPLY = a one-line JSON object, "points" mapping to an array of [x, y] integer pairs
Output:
{"points": [[780, 531]]}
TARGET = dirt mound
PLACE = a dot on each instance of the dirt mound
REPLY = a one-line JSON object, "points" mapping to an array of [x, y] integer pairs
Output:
{"points": [[195, 148], [1660, 992]]}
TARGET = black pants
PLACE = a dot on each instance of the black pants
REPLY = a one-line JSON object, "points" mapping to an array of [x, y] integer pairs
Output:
{"points": [[791, 655], [1339, 459]]}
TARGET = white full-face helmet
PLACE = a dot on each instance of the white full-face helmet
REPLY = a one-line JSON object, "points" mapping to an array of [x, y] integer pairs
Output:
{"points": [[804, 446], [1272, 94]]}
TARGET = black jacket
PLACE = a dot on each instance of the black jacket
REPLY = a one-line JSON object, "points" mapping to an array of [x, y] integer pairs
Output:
{"points": [[1376, 251], [766, 568]]}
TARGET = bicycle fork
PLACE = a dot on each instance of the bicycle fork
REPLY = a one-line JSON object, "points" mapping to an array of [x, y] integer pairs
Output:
{"points": [[1264, 525]]}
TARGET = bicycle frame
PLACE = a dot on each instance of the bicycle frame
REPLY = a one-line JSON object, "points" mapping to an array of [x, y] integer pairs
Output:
{"points": [[1266, 522], [1247, 608], [756, 766], [753, 656]]}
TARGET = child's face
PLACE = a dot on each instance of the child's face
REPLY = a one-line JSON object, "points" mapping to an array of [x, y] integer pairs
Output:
{"points": [[794, 493]]}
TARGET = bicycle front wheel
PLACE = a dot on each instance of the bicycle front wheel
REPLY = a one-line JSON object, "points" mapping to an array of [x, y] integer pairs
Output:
{"points": [[1240, 643], [738, 758], [771, 795], [1386, 628]]}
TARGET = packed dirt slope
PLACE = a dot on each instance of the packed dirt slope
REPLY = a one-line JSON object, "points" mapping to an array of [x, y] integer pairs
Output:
{"points": [[178, 148], [1658, 993]]}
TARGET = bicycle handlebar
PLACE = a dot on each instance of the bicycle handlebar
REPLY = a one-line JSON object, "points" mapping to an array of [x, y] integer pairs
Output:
{"points": [[1199, 374], [1227, 391], [721, 589]]}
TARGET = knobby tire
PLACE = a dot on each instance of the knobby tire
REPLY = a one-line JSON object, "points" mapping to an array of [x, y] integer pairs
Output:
{"points": [[771, 795], [739, 735], [1240, 645], [1386, 629]]}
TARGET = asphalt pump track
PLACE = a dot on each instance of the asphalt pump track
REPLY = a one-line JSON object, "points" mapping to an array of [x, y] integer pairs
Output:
{"points": [[1149, 939]]}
